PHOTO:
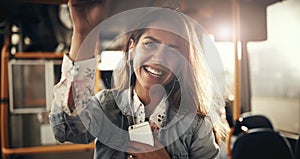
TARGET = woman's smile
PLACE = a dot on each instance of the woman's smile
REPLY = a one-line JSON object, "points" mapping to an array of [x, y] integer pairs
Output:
{"points": [[150, 74], [155, 72]]}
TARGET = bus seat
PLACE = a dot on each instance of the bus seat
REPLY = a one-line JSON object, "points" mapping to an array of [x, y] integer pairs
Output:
{"points": [[262, 143], [249, 121], [297, 148]]}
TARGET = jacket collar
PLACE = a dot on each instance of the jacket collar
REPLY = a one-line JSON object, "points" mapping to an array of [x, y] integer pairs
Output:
{"points": [[123, 101]]}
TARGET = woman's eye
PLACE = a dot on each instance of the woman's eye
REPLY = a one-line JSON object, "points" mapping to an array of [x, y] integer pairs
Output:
{"points": [[150, 45], [172, 52]]}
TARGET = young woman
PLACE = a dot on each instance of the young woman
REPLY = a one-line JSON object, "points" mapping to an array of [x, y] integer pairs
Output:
{"points": [[163, 81]]}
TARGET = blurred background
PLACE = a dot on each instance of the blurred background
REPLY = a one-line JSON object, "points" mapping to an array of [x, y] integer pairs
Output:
{"points": [[261, 39]]}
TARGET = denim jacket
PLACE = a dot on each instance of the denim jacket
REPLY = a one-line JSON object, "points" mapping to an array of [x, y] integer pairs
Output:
{"points": [[105, 118]]}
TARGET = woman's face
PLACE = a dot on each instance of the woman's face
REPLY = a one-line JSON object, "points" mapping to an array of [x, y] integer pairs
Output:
{"points": [[157, 57]]}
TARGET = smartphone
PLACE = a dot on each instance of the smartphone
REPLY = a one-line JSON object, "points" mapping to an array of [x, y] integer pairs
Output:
{"points": [[141, 133]]}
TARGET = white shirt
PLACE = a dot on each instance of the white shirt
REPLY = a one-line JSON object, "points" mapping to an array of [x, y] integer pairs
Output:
{"points": [[156, 117]]}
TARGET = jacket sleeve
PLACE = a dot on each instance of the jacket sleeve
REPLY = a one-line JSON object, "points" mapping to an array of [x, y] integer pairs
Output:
{"points": [[65, 123], [203, 144], [91, 118]]}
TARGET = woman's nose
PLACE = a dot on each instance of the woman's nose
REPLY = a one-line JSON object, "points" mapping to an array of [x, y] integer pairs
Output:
{"points": [[159, 54]]}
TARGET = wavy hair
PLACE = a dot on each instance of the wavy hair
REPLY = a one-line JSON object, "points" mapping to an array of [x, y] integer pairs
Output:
{"points": [[194, 86]]}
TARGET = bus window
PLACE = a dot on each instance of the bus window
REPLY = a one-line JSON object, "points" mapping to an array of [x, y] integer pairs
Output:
{"points": [[275, 69]]}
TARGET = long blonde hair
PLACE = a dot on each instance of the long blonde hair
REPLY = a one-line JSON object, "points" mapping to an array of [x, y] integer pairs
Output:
{"points": [[196, 87]]}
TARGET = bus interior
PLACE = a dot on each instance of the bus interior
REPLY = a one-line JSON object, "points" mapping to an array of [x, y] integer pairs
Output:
{"points": [[256, 41]]}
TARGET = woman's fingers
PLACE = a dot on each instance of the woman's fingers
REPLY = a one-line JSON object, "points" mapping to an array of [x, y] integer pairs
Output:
{"points": [[86, 14], [136, 147], [142, 151]]}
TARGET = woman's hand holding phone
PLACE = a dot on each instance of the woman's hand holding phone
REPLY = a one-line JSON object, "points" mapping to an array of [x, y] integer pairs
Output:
{"points": [[144, 151]]}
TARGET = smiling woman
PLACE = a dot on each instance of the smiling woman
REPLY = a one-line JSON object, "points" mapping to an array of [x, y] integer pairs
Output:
{"points": [[162, 82]]}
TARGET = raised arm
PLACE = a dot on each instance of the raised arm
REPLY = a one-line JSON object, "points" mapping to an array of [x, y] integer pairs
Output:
{"points": [[85, 15], [75, 87]]}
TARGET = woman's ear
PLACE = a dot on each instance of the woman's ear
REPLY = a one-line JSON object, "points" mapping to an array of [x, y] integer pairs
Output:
{"points": [[131, 44], [130, 49]]}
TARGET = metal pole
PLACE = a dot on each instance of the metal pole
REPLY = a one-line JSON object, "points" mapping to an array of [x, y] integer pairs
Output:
{"points": [[236, 38]]}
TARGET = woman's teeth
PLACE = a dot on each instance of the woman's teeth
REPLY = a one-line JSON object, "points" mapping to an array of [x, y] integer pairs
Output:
{"points": [[153, 71]]}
